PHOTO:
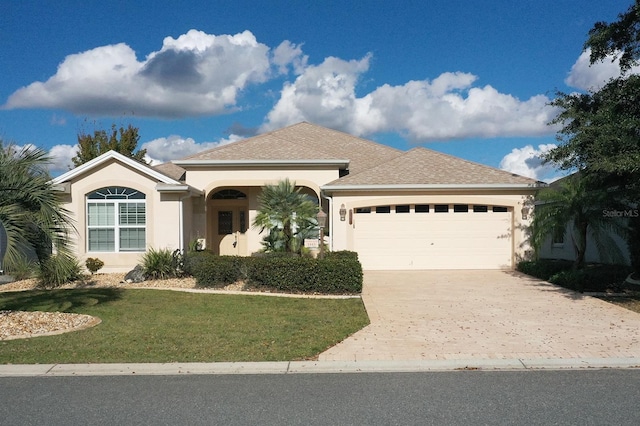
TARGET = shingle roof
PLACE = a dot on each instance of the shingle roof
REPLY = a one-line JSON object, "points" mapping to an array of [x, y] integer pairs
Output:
{"points": [[304, 141], [370, 163], [421, 166], [171, 170]]}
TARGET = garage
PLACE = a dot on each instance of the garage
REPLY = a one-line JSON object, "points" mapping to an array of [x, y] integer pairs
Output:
{"points": [[433, 236]]}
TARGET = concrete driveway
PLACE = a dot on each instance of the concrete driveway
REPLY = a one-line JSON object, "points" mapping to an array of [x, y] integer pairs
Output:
{"points": [[431, 315]]}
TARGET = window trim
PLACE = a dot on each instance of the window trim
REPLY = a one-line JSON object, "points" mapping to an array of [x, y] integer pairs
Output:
{"points": [[117, 197]]}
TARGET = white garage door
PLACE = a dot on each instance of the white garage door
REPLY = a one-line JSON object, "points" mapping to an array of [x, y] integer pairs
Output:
{"points": [[433, 237]]}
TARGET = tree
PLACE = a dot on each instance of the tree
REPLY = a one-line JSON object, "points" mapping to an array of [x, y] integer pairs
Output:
{"points": [[30, 212], [287, 214], [120, 140], [601, 129], [580, 205], [620, 38]]}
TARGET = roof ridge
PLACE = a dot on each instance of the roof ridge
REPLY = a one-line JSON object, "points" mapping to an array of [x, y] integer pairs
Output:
{"points": [[236, 143]]}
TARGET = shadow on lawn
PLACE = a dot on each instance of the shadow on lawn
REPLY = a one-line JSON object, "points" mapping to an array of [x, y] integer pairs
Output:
{"points": [[58, 300]]}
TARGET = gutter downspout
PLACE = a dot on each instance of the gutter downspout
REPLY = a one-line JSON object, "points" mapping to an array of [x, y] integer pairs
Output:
{"points": [[181, 222], [330, 200]]}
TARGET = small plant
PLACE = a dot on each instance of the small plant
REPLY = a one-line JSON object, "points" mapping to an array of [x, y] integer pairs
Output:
{"points": [[59, 269], [178, 262], [159, 264], [22, 268], [93, 264], [196, 245]]}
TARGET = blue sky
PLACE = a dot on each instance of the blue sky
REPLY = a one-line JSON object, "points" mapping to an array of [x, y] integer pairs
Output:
{"points": [[471, 79]]}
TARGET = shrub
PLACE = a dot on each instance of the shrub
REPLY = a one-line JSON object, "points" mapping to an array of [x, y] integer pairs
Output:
{"points": [[159, 264], [217, 271], [597, 277], [333, 275], [93, 264], [22, 268], [59, 269], [543, 268], [571, 278], [193, 260], [342, 254], [329, 275]]}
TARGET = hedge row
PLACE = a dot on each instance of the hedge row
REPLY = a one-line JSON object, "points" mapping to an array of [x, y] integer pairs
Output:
{"points": [[337, 273], [596, 278]]}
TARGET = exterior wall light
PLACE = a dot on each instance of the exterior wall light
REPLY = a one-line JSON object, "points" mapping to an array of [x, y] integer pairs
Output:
{"points": [[525, 212], [343, 213]]}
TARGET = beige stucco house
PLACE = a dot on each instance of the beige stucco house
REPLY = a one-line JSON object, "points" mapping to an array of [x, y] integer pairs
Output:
{"points": [[416, 209]]}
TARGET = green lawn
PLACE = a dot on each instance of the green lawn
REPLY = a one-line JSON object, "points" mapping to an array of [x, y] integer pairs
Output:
{"points": [[169, 326]]}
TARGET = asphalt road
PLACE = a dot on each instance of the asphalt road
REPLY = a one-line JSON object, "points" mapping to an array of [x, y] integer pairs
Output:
{"points": [[585, 397]]}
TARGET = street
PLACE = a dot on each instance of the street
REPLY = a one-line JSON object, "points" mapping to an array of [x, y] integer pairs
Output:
{"points": [[584, 397]]}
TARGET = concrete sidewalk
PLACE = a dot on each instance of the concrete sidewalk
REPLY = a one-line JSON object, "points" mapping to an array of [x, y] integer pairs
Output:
{"points": [[308, 367], [484, 315]]}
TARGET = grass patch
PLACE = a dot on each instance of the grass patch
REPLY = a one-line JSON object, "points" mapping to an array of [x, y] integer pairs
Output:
{"points": [[168, 326]]}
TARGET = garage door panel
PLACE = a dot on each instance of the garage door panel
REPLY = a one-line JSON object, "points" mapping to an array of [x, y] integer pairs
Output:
{"points": [[434, 240]]}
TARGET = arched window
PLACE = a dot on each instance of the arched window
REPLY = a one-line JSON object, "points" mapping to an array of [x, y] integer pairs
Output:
{"points": [[116, 220]]}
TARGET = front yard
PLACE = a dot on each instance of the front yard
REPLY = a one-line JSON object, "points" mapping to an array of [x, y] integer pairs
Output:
{"points": [[170, 326]]}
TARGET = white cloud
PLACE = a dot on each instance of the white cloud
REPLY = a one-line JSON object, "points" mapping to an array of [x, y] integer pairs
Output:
{"points": [[527, 161], [173, 147], [322, 94], [585, 76], [195, 74], [288, 53], [61, 156], [448, 107]]}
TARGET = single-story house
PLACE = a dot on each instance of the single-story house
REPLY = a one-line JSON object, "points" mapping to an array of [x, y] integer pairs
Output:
{"points": [[560, 246], [416, 209]]}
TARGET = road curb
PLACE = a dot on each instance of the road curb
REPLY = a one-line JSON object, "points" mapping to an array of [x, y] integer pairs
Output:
{"points": [[312, 367]]}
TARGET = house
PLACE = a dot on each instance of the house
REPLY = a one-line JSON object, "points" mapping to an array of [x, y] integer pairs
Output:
{"points": [[416, 209], [560, 245]]}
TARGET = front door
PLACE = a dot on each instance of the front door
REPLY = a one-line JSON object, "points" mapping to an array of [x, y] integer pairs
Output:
{"points": [[231, 228]]}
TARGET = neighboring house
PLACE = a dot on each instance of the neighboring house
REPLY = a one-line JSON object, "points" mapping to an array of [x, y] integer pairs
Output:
{"points": [[560, 245], [416, 209]]}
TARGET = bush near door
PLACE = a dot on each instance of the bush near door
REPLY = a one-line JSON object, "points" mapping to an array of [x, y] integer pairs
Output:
{"points": [[337, 273]]}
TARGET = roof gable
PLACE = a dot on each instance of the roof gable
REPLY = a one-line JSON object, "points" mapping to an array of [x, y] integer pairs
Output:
{"points": [[109, 156]]}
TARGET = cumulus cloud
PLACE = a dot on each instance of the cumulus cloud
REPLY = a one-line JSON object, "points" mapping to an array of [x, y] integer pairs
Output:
{"points": [[527, 161], [322, 94], [288, 53], [61, 156], [585, 76], [174, 147], [195, 74], [448, 107]]}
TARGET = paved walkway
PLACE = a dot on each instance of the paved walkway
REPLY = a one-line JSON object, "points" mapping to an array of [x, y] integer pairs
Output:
{"points": [[489, 315]]}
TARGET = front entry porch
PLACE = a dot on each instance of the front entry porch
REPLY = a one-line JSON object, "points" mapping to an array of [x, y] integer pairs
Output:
{"points": [[228, 222]]}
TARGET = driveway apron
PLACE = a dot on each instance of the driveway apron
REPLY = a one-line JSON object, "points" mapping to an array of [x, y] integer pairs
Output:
{"points": [[430, 315]]}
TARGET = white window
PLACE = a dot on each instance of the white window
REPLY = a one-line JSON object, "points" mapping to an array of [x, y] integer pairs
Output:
{"points": [[116, 220]]}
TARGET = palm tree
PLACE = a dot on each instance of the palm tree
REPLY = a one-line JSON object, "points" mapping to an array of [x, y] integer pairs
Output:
{"points": [[30, 212], [579, 204], [287, 214]]}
